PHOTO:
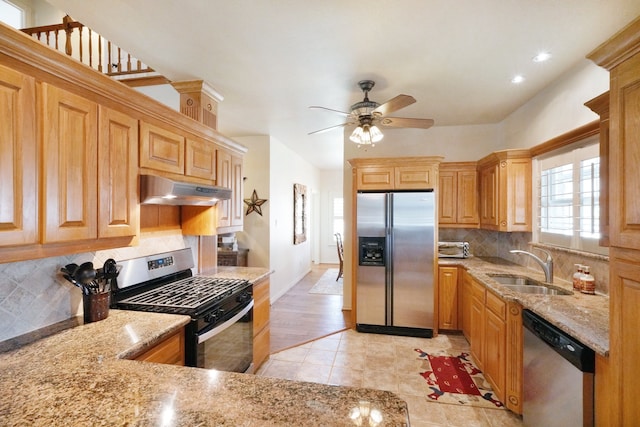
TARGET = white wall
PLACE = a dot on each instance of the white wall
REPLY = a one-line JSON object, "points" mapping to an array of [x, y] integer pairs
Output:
{"points": [[256, 165], [557, 109], [290, 262]]}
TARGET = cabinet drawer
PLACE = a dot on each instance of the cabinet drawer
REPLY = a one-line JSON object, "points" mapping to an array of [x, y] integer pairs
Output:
{"points": [[170, 351], [478, 291], [496, 305]]}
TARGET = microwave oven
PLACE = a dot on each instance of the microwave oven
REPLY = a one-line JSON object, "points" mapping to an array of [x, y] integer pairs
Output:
{"points": [[453, 249]]}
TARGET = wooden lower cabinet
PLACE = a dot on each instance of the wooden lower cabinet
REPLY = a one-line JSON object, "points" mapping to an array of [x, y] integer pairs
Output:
{"points": [[170, 351], [476, 333], [448, 298], [494, 330], [495, 334], [261, 331], [465, 305]]}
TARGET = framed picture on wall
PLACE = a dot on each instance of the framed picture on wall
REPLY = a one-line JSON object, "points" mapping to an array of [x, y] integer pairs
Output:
{"points": [[299, 213]]}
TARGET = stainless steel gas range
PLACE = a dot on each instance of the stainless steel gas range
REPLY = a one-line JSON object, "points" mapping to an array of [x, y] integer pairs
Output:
{"points": [[220, 334]]}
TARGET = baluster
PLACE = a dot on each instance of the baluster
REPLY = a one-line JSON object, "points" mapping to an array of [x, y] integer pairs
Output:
{"points": [[39, 35], [57, 35], [139, 65], [128, 62], [100, 53], [119, 60], [48, 37], [90, 50], [80, 47], [109, 68]]}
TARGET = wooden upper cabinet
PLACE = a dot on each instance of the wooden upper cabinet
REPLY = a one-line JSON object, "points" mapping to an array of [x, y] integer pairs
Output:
{"points": [[600, 105], [396, 173], [237, 202], [458, 195], [414, 177], [18, 159], [161, 149], [376, 178], [118, 209], [505, 191], [69, 166], [200, 159], [224, 180]]}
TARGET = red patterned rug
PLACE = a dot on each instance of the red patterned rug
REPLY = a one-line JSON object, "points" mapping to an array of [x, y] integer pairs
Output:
{"points": [[455, 379]]}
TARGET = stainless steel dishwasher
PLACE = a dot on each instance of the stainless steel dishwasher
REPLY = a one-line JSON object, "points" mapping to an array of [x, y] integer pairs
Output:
{"points": [[558, 376]]}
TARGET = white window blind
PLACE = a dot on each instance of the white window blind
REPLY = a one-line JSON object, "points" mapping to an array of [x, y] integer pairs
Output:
{"points": [[568, 199]]}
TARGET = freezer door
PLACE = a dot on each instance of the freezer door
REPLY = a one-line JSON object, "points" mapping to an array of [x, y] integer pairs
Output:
{"points": [[413, 249], [371, 284]]}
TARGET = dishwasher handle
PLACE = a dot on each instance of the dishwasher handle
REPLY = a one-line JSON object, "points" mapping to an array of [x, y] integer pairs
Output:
{"points": [[578, 354]]}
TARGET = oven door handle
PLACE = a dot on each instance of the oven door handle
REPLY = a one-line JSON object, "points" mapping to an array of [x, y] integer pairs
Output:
{"points": [[202, 338]]}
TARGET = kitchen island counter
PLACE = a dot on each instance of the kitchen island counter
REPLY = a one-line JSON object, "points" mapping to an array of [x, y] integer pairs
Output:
{"points": [[585, 317], [80, 376]]}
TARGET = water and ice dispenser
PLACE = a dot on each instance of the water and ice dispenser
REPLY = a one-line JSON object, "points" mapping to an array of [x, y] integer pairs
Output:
{"points": [[371, 250]]}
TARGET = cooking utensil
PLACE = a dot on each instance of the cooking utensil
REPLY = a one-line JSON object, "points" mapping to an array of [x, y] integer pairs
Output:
{"points": [[75, 283], [86, 274]]}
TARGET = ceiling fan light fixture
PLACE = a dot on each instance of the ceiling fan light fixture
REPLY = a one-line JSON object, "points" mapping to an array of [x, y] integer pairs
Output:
{"points": [[366, 135]]}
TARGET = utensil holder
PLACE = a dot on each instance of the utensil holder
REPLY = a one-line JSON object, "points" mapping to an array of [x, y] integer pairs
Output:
{"points": [[96, 306]]}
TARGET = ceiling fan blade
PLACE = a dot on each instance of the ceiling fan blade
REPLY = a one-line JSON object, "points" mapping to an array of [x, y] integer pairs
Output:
{"points": [[394, 104], [401, 122], [330, 128], [332, 110]]}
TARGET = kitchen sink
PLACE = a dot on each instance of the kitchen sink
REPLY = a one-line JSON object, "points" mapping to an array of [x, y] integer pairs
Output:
{"points": [[527, 285]]}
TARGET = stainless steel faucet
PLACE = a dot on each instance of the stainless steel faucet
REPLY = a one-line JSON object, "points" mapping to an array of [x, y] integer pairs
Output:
{"points": [[547, 265]]}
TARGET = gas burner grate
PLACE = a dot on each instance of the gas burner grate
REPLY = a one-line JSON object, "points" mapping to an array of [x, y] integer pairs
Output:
{"points": [[189, 293]]}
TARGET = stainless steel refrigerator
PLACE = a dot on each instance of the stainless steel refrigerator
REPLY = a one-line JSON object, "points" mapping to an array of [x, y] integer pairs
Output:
{"points": [[396, 249]]}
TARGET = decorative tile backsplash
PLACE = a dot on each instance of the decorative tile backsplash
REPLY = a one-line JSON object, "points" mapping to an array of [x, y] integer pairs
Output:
{"points": [[33, 296], [498, 244]]}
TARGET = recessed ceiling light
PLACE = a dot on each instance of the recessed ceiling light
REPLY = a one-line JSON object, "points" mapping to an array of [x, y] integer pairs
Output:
{"points": [[517, 79], [541, 57]]}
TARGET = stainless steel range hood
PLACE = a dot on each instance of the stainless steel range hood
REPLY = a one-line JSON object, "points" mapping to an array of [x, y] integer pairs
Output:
{"points": [[157, 190]]}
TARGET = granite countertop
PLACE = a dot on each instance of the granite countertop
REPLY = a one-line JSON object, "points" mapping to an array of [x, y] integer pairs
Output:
{"points": [[79, 375], [585, 317]]}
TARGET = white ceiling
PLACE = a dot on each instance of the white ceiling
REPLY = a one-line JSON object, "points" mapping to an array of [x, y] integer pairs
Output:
{"points": [[272, 59]]}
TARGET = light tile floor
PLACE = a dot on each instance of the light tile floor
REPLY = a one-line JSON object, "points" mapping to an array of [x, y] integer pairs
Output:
{"points": [[383, 362]]}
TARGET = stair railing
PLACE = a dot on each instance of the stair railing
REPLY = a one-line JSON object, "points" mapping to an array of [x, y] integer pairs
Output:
{"points": [[95, 51]]}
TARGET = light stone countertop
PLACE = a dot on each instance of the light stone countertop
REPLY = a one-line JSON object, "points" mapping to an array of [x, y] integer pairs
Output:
{"points": [[584, 317], [77, 376]]}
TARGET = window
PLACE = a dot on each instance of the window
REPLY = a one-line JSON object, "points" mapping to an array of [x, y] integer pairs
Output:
{"points": [[338, 215], [12, 15], [568, 196]]}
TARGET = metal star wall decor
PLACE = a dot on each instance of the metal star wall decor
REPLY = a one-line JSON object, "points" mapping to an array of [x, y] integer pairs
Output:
{"points": [[254, 204]]}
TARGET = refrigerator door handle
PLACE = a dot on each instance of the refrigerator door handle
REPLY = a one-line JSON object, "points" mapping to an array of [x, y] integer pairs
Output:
{"points": [[389, 260]]}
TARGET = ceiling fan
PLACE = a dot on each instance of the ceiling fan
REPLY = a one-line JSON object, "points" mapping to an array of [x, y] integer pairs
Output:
{"points": [[368, 115]]}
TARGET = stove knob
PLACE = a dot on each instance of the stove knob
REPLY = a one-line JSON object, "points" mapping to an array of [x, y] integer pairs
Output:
{"points": [[210, 318]]}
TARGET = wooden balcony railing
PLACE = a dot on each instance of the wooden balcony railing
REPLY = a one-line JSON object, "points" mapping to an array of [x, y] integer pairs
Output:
{"points": [[93, 50]]}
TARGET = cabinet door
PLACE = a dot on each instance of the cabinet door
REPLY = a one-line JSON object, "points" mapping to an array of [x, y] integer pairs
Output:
{"points": [[448, 298], [169, 352], [624, 152], [489, 197], [200, 159], [161, 149], [467, 197], [375, 178], [466, 306], [494, 352], [515, 195], [261, 330], [414, 177], [237, 211], [69, 166], [18, 169], [118, 209], [477, 323], [447, 197], [224, 180]]}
